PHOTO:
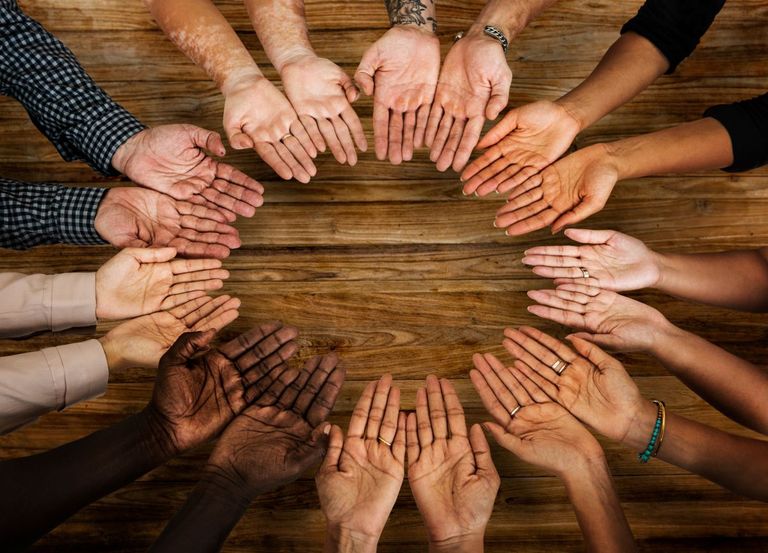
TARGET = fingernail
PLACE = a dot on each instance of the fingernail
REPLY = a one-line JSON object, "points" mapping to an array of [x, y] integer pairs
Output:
{"points": [[327, 429], [507, 232], [464, 193], [495, 225], [497, 191], [476, 194]]}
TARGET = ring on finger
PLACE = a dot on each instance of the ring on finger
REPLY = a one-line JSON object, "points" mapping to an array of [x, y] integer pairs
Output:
{"points": [[286, 137], [584, 272], [514, 411], [385, 442], [559, 366]]}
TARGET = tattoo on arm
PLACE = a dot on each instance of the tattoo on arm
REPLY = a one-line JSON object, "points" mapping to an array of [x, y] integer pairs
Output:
{"points": [[410, 12]]}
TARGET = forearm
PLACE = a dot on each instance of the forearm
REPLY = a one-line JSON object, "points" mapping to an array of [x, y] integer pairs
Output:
{"points": [[733, 385], [601, 518], [734, 279], [695, 146], [736, 463], [41, 491], [203, 523], [468, 544], [416, 14], [342, 540], [509, 17], [282, 29], [629, 66], [202, 33]]}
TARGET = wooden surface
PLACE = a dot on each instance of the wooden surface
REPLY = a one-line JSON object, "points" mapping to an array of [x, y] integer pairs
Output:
{"points": [[394, 269]]}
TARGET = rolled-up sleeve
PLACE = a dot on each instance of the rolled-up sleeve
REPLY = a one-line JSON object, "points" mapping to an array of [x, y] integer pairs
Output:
{"points": [[675, 27], [747, 125], [34, 303], [32, 384]]}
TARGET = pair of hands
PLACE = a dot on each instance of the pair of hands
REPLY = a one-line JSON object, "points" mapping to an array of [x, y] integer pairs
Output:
{"points": [[288, 133], [615, 262], [450, 470], [415, 102]]}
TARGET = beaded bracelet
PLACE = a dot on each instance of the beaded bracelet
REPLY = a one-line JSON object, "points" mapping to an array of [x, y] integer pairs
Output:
{"points": [[658, 432]]}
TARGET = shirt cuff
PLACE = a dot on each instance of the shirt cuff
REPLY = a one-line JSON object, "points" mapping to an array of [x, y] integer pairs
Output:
{"points": [[75, 218], [747, 125], [72, 300], [98, 139], [78, 371]]}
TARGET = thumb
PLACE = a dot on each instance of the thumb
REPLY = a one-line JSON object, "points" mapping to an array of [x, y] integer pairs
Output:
{"points": [[186, 347], [314, 448], [366, 70], [501, 129], [576, 214], [350, 90], [586, 236], [334, 447], [207, 140], [506, 440], [608, 341], [498, 100], [152, 255], [481, 450], [238, 139]]}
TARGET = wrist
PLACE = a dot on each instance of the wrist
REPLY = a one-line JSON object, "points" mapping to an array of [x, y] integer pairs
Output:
{"points": [[477, 32], [640, 425], [237, 78], [585, 469], [468, 543], [122, 157], [156, 439], [341, 539], [113, 353], [293, 55], [575, 111]]}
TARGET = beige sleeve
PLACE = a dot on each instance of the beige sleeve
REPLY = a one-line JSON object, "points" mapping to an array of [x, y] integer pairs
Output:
{"points": [[31, 303], [32, 384]]}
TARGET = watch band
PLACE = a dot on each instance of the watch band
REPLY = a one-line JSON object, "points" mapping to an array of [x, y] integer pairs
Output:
{"points": [[493, 32]]}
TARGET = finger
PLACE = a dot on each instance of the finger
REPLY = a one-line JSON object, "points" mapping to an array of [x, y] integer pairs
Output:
{"points": [[557, 260], [151, 255], [505, 170], [433, 123], [329, 134], [288, 398], [441, 137], [409, 130], [186, 347], [233, 198], [311, 391], [269, 154], [261, 348], [226, 172], [301, 134], [220, 317], [482, 452], [181, 266], [185, 309], [592, 352], [572, 274], [525, 224], [489, 398], [499, 98], [388, 427], [350, 90], [567, 318], [483, 167], [333, 453], [303, 458], [325, 399], [457, 424], [437, 415], [346, 140], [412, 439], [586, 236], [500, 130], [238, 139], [534, 353], [469, 139], [359, 419], [507, 400], [422, 116], [366, 71], [245, 341], [525, 173], [537, 394], [422, 418], [561, 299], [194, 285], [395, 134], [380, 130], [579, 212], [379, 404], [583, 288], [352, 121], [266, 391], [560, 349], [398, 445], [451, 145], [304, 168], [549, 388], [178, 299], [314, 132], [505, 439], [521, 395], [523, 355], [200, 276], [608, 341]]}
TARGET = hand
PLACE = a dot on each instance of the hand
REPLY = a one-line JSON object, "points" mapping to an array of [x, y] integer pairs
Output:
{"points": [[199, 390], [400, 70], [593, 386], [272, 442], [540, 432], [610, 320], [138, 218], [566, 192], [172, 159], [138, 281], [523, 143], [322, 95], [473, 86], [142, 341], [613, 260], [361, 476], [258, 116], [453, 479]]}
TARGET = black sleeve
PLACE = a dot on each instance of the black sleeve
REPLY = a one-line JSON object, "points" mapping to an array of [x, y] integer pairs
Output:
{"points": [[674, 26], [747, 124]]}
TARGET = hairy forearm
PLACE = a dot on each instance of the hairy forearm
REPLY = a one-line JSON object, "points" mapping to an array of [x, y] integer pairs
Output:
{"points": [[736, 463], [694, 146], [735, 279], [412, 13], [41, 491], [600, 516], [202, 33], [733, 385], [510, 17], [629, 66], [282, 29]]}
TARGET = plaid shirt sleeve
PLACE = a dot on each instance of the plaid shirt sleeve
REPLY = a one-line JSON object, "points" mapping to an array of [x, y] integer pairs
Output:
{"points": [[62, 100], [33, 214]]}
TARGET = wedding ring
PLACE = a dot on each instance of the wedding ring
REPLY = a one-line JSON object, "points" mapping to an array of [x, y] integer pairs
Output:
{"points": [[514, 411], [559, 366], [385, 442], [584, 272], [286, 137]]}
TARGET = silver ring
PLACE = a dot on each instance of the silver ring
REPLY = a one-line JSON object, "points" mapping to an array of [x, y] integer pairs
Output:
{"points": [[559, 366], [584, 272], [286, 137], [514, 411]]}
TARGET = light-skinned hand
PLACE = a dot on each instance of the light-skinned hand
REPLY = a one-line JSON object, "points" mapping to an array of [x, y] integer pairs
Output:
{"points": [[138, 281], [360, 478], [137, 218], [258, 116], [524, 142], [607, 318], [565, 193], [322, 95], [450, 471], [174, 160], [614, 261], [473, 86], [400, 70]]}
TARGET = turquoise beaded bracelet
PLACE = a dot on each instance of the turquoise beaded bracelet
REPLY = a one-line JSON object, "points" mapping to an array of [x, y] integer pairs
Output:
{"points": [[646, 455]]}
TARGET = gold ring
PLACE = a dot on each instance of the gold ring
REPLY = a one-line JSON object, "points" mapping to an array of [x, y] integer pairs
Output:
{"points": [[584, 272], [385, 442], [514, 411], [559, 366], [285, 137]]}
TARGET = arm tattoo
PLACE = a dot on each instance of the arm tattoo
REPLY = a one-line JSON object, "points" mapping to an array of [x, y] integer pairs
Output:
{"points": [[409, 12]]}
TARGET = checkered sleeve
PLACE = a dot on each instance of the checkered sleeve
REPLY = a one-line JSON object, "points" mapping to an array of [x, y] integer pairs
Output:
{"points": [[62, 100], [32, 214]]}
